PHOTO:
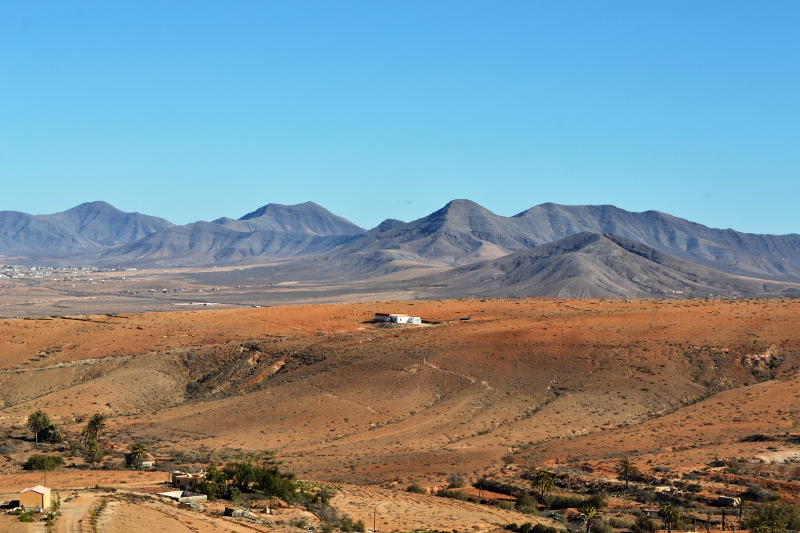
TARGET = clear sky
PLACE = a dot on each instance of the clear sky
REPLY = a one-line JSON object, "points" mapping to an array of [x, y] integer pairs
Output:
{"points": [[388, 109]]}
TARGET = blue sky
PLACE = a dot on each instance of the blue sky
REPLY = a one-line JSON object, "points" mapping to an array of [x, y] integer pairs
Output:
{"points": [[388, 109]]}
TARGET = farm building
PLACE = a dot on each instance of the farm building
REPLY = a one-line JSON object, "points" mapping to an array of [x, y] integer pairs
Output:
{"points": [[397, 318], [184, 480], [37, 496]]}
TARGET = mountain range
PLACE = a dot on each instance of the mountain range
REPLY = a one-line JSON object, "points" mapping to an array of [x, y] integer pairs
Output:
{"points": [[546, 250]]}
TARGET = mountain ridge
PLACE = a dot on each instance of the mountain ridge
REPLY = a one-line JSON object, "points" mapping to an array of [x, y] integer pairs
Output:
{"points": [[460, 233], [590, 264]]}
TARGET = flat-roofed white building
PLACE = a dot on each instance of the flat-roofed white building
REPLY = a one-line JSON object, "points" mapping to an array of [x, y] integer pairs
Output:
{"points": [[397, 318]]}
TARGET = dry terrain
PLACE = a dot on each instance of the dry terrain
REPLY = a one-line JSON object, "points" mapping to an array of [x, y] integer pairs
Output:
{"points": [[484, 388]]}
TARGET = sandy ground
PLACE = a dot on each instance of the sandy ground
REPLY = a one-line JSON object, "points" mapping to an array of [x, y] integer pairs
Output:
{"points": [[394, 510], [489, 387]]}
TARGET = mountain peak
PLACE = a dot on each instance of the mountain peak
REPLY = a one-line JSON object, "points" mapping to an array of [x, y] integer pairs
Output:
{"points": [[97, 205], [307, 217], [273, 208], [461, 204], [459, 211]]}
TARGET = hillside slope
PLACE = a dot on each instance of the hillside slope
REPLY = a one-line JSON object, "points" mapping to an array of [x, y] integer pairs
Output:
{"points": [[341, 398], [87, 227], [594, 265]]}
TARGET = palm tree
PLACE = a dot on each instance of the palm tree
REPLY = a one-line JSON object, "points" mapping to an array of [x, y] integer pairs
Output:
{"points": [[587, 513], [626, 470], [669, 515], [136, 456], [778, 524], [543, 482], [93, 453], [93, 428], [741, 506], [38, 421]]}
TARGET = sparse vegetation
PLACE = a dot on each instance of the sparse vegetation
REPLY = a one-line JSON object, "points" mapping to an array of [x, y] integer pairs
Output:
{"points": [[136, 456], [543, 483], [774, 517], [455, 482], [416, 488], [527, 527], [43, 462], [669, 515], [643, 524], [626, 470], [43, 429], [587, 513], [755, 493]]}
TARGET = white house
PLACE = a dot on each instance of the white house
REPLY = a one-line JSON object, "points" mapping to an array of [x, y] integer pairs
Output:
{"points": [[397, 318]]}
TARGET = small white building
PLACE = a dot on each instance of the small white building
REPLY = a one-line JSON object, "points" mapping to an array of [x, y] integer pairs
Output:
{"points": [[184, 496], [397, 318]]}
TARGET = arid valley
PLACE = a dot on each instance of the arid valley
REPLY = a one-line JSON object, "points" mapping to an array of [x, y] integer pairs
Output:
{"points": [[702, 397]]}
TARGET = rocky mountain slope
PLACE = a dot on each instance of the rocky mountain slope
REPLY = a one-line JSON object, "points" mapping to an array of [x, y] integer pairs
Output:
{"points": [[463, 232], [272, 231], [597, 265], [322, 246], [86, 227]]}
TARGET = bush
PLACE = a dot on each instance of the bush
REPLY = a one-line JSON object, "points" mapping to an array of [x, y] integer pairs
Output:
{"points": [[779, 516], [601, 527], [619, 523], [416, 488], [643, 524], [759, 494], [643, 496], [567, 501], [527, 527], [454, 494], [496, 486], [564, 501], [694, 488], [455, 482], [597, 500], [43, 462], [50, 434], [526, 503]]}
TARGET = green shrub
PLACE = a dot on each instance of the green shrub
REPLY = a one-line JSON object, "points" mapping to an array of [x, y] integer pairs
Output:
{"points": [[416, 488], [759, 494], [597, 500], [601, 527], [526, 503], [454, 494], [619, 523], [496, 486], [564, 501], [777, 516], [455, 482], [43, 462], [643, 524], [527, 527]]}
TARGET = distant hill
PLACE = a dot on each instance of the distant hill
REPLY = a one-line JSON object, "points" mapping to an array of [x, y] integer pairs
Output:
{"points": [[207, 243], [595, 265], [308, 218], [306, 242], [272, 231], [463, 232], [89, 226], [771, 256]]}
